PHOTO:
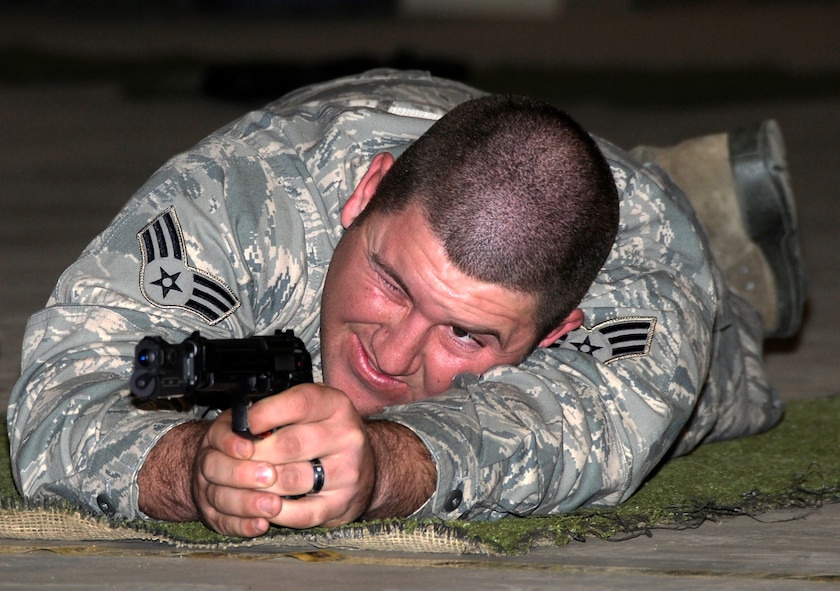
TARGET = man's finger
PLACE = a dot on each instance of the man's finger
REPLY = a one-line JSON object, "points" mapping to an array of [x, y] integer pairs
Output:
{"points": [[302, 442], [298, 478], [220, 469], [304, 403], [222, 437], [309, 511], [243, 503], [234, 525]]}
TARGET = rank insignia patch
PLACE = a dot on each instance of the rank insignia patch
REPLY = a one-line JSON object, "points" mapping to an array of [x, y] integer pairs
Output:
{"points": [[612, 340], [168, 281]]}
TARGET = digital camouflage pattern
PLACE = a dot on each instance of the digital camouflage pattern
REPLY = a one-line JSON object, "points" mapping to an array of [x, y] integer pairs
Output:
{"points": [[234, 237]]}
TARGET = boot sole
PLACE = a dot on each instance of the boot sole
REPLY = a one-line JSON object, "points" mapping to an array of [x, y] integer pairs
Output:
{"points": [[762, 183]]}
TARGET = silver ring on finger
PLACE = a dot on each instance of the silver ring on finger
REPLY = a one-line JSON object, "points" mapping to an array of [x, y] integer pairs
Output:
{"points": [[320, 477]]}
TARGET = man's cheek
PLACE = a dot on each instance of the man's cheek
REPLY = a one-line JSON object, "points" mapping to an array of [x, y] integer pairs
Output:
{"points": [[440, 382]]}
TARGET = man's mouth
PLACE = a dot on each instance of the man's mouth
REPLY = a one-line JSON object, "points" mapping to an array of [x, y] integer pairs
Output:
{"points": [[366, 369]]}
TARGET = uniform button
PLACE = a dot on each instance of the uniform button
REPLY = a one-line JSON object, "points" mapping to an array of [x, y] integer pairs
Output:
{"points": [[106, 505], [453, 501]]}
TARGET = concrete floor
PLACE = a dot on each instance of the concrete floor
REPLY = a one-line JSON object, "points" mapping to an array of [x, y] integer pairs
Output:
{"points": [[71, 154], [737, 554]]}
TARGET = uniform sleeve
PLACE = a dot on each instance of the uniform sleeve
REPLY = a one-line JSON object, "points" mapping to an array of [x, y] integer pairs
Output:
{"points": [[177, 259], [585, 421], [232, 239]]}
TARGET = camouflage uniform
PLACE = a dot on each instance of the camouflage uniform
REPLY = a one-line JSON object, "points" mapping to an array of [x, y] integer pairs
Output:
{"points": [[234, 237]]}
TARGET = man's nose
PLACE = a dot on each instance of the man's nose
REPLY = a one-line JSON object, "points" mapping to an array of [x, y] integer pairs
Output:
{"points": [[397, 346]]}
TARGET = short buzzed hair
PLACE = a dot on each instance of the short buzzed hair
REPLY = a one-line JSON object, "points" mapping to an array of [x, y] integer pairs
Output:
{"points": [[518, 193]]}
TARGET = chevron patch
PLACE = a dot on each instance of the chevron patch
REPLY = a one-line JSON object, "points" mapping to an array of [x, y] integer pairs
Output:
{"points": [[168, 281], [614, 339]]}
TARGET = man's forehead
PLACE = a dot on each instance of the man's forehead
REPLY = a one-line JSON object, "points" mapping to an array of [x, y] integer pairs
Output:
{"points": [[403, 247]]}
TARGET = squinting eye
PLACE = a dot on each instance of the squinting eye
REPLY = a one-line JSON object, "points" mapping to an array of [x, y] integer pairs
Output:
{"points": [[388, 284], [460, 333]]}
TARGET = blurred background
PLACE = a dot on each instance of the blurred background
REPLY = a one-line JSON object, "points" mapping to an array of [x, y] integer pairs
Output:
{"points": [[251, 50], [95, 95]]}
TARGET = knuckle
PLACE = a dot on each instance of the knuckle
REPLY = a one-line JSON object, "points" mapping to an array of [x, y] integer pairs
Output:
{"points": [[240, 473], [291, 478], [289, 443], [358, 439], [212, 498], [303, 397], [212, 463], [317, 514]]}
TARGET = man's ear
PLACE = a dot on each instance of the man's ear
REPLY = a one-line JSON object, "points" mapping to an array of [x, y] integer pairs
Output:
{"points": [[572, 321], [366, 188]]}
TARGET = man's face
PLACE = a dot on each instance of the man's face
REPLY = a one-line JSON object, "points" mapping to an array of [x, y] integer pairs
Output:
{"points": [[399, 321]]}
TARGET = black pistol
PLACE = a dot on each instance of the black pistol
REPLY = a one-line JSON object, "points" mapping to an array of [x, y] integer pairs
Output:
{"points": [[220, 373]]}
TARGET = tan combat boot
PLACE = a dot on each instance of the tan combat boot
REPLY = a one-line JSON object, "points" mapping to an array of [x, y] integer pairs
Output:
{"points": [[739, 187]]}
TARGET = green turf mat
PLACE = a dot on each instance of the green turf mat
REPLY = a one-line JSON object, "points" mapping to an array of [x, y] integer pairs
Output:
{"points": [[796, 464]]}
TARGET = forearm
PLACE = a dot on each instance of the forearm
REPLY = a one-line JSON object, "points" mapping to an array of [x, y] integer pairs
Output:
{"points": [[504, 449], [165, 480], [405, 473], [74, 432]]}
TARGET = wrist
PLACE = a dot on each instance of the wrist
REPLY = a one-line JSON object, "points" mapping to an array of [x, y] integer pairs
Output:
{"points": [[406, 475], [166, 477]]}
